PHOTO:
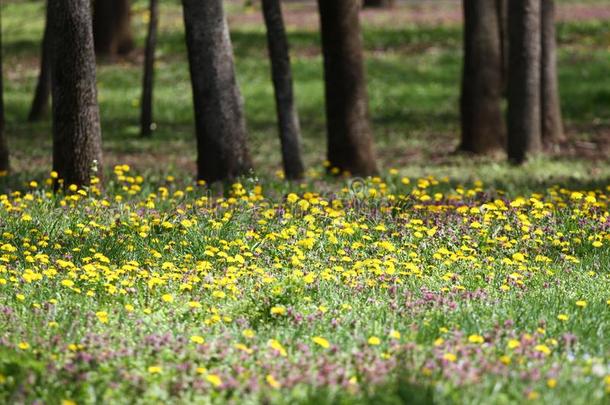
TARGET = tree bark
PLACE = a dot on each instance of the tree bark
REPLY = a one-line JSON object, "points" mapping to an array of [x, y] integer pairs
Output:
{"points": [[76, 121], [112, 27], [4, 157], [350, 140], [502, 10], [288, 119], [524, 124], [42, 94], [552, 126], [480, 104], [219, 117], [146, 117], [378, 3]]}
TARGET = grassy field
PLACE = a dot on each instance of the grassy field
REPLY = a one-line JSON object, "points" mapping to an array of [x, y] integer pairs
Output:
{"points": [[447, 280]]}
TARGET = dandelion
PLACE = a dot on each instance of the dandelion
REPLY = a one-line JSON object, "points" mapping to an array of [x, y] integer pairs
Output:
{"points": [[155, 369], [277, 346], [167, 298], [395, 334], [197, 339], [279, 310], [214, 379], [513, 344], [374, 341], [273, 383], [248, 333], [320, 341], [450, 357], [544, 349], [581, 303], [477, 339], [102, 316], [551, 383], [563, 317], [23, 345]]}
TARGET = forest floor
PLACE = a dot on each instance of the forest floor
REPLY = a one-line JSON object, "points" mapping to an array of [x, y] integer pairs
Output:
{"points": [[448, 279]]}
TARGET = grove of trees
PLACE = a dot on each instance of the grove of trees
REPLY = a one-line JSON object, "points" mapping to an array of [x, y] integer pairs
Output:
{"points": [[509, 54]]}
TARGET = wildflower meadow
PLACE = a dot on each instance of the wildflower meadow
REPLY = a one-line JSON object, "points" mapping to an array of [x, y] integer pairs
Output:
{"points": [[385, 290]]}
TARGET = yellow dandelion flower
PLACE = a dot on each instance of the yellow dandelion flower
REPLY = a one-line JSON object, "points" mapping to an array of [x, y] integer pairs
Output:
{"points": [[155, 369], [450, 357], [477, 339], [273, 383], [197, 339], [320, 341], [374, 341], [214, 379]]}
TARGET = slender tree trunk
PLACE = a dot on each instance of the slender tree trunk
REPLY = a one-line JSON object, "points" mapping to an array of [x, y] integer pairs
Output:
{"points": [[112, 27], [76, 121], [378, 3], [482, 124], [42, 94], [219, 117], [288, 119], [350, 140], [552, 126], [4, 158], [524, 124], [146, 117]]}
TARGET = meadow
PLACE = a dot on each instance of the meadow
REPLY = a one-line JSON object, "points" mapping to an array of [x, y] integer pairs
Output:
{"points": [[447, 279]]}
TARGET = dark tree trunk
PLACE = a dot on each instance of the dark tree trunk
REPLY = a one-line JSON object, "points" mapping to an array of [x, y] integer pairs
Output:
{"points": [[552, 126], [350, 140], [502, 10], [524, 124], [481, 110], [4, 159], [378, 3], [219, 118], [40, 104], [146, 117], [288, 119], [112, 27], [76, 121]]}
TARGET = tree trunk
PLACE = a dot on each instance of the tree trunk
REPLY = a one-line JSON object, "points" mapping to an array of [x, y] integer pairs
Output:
{"points": [[288, 119], [40, 104], [112, 27], [4, 159], [524, 124], [378, 3], [76, 121], [350, 140], [552, 127], [146, 118], [219, 117], [481, 112], [502, 10]]}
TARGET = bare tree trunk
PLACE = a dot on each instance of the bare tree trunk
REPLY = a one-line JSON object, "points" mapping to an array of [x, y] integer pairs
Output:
{"points": [[146, 117], [288, 118], [350, 140], [76, 121], [42, 94], [4, 158], [524, 124], [552, 126], [502, 10], [219, 117], [378, 3], [112, 27], [481, 112]]}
